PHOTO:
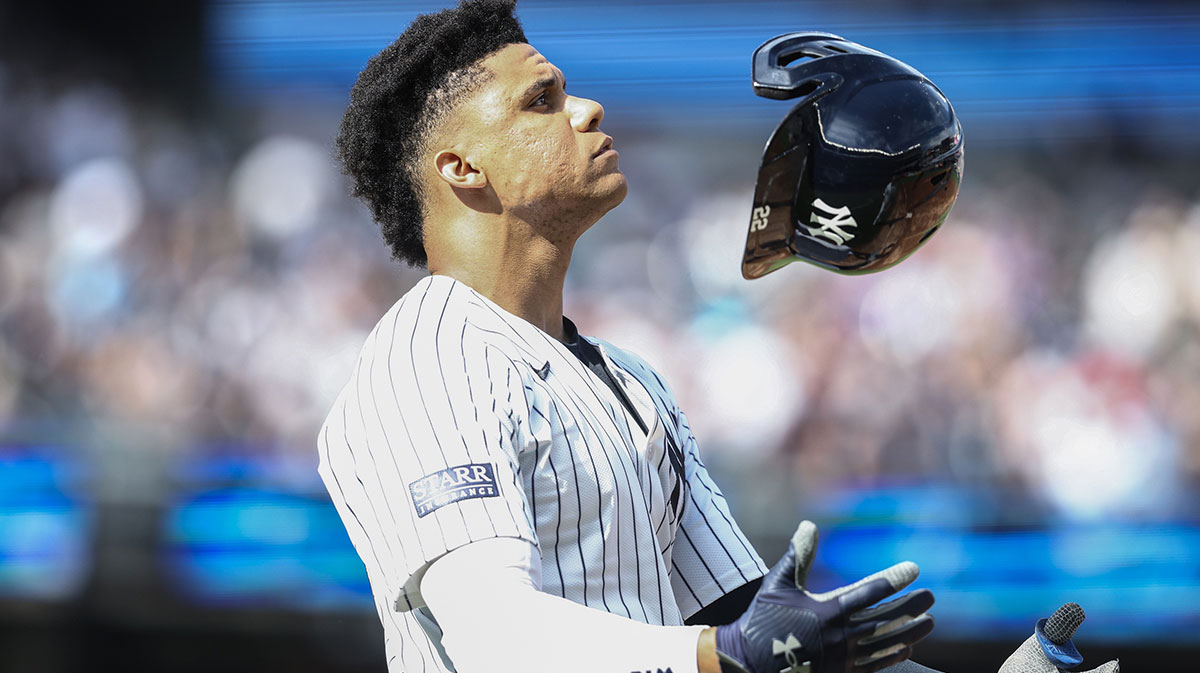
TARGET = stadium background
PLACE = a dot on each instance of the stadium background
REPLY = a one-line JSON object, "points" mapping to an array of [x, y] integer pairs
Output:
{"points": [[184, 284]]}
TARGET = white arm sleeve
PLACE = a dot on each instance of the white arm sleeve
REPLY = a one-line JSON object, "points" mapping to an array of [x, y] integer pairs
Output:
{"points": [[486, 597]]}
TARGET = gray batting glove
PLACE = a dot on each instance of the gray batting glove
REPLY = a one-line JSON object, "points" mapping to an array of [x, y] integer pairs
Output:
{"points": [[1050, 650]]}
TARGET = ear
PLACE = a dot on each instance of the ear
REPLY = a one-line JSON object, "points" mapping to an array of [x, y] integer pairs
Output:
{"points": [[458, 170]]}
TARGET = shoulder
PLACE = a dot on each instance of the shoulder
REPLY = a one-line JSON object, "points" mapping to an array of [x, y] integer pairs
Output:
{"points": [[442, 325], [428, 307], [438, 316]]}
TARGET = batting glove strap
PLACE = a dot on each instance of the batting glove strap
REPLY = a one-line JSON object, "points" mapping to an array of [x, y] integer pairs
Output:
{"points": [[773, 637], [1062, 655]]}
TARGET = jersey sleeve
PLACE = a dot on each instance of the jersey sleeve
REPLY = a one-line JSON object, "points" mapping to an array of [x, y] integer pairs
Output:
{"points": [[711, 556], [420, 452]]}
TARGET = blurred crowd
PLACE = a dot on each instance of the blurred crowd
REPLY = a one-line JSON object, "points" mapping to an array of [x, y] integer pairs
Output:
{"points": [[213, 285]]}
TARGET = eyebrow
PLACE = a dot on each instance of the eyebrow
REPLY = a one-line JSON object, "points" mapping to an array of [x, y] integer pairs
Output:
{"points": [[543, 83]]}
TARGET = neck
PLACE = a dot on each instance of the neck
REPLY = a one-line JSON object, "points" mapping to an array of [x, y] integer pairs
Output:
{"points": [[520, 271]]}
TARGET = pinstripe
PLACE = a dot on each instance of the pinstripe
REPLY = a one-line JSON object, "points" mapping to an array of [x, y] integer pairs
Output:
{"points": [[421, 393], [392, 453], [378, 477], [716, 537], [672, 429], [532, 493], [400, 408], [531, 500], [396, 629], [688, 538], [387, 543], [408, 629], [592, 422], [579, 533], [617, 528], [529, 518], [667, 549], [599, 502], [585, 379], [345, 501], [706, 482], [637, 557], [370, 503], [569, 362], [578, 506], [558, 520], [603, 542], [630, 485], [500, 429], [724, 515], [471, 401], [683, 578], [526, 351]]}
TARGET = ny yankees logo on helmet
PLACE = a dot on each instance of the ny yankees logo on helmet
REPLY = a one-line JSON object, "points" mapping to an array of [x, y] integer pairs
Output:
{"points": [[832, 223]]}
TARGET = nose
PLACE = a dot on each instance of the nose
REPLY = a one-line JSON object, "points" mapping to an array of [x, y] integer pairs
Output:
{"points": [[586, 114]]}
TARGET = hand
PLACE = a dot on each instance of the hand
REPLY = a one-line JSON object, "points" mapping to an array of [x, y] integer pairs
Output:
{"points": [[1050, 649], [788, 629]]}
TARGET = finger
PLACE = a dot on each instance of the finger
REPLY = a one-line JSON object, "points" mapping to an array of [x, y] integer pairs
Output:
{"points": [[873, 629], [911, 604], [1113, 666], [876, 663], [1064, 622], [890, 634], [792, 569], [861, 594], [874, 588], [804, 544]]}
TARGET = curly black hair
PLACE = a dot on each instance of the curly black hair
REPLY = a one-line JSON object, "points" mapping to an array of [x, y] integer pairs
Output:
{"points": [[401, 95]]}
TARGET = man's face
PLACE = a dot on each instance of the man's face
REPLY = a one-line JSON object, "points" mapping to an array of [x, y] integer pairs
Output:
{"points": [[539, 147]]}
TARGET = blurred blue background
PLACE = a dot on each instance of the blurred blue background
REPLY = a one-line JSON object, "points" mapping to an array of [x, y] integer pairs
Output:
{"points": [[185, 282]]}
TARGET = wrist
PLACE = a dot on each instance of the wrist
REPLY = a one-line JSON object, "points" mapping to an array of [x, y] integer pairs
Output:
{"points": [[706, 651], [730, 649]]}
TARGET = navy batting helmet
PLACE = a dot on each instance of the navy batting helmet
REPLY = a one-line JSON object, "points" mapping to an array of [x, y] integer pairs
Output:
{"points": [[863, 169]]}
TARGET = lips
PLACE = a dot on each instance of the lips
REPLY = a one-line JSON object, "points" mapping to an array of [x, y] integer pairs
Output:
{"points": [[604, 146]]}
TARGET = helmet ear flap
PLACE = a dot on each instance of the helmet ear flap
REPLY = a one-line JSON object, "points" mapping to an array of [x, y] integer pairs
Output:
{"points": [[784, 169]]}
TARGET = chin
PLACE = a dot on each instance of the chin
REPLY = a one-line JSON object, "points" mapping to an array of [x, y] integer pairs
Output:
{"points": [[607, 193], [618, 191]]}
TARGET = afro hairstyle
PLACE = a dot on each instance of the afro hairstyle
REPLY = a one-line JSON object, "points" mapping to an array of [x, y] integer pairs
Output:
{"points": [[401, 95]]}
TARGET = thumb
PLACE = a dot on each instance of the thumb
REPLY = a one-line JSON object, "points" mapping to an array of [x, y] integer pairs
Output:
{"points": [[804, 545], [791, 571]]}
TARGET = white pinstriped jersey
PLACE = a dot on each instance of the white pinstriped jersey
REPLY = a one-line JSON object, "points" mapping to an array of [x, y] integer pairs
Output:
{"points": [[463, 422]]}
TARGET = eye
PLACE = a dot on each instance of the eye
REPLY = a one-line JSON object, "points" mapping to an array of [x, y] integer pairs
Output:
{"points": [[540, 100]]}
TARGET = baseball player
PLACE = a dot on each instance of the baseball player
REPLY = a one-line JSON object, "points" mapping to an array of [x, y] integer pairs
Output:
{"points": [[526, 498]]}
